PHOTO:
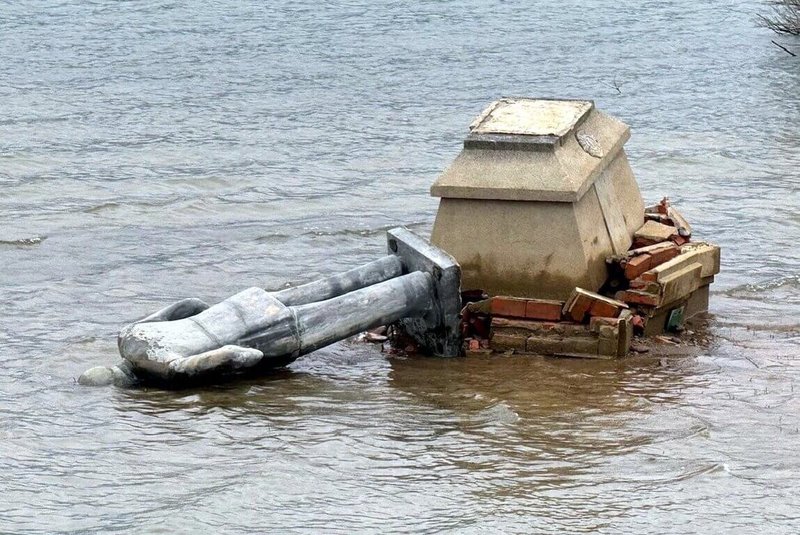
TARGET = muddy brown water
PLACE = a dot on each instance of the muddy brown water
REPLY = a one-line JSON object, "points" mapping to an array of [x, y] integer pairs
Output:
{"points": [[154, 151]]}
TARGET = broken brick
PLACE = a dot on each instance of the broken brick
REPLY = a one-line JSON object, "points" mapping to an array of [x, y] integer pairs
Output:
{"points": [[637, 265], [638, 324], [652, 232], [659, 218], [677, 239], [583, 303]]}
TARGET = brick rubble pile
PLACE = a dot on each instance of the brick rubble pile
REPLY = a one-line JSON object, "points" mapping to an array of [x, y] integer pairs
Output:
{"points": [[651, 289]]}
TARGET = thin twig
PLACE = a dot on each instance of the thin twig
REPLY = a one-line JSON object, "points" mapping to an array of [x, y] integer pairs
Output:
{"points": [[783, 48]]}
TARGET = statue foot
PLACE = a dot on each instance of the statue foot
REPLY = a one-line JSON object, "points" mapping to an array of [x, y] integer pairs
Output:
{"points": [[120, 375]]}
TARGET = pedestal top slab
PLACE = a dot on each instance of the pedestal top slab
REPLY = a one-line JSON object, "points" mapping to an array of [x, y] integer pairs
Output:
{"points": [[531, 117], [528, 149]]}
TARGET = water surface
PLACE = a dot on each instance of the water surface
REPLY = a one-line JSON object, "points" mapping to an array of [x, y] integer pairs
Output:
{"points": [[151, 151]]}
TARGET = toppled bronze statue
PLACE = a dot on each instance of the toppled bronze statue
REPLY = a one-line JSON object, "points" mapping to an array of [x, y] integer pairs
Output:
{"points": [[416, 285]]}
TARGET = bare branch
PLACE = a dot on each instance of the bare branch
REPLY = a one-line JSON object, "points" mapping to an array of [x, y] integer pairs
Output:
{"points": [[784, 19], [784, 49]]}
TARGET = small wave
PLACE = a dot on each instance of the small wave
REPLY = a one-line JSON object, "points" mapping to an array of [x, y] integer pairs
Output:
{"points": [[101, 208], [24, 242], [753, 290], [364, 232]]}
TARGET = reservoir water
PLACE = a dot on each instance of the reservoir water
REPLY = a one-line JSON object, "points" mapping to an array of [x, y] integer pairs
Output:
{"points": [[155, 150]]}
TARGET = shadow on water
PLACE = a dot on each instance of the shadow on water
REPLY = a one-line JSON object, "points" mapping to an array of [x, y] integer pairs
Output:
{"points": [[230, 393], [541, 387]]}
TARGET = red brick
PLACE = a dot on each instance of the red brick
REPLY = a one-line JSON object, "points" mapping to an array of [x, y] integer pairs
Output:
{"points": [[637, 265], [578, 310], [663, 255], [663, 206], [512, 307], [606, 309], [543, 309]]}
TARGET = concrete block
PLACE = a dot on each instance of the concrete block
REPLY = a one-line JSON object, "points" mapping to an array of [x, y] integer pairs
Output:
{"points": [[652, 232], [550, 345], [706, 254], [615, 334], [529, 327], [697, 302], [681, 284], [609, 344], [503, 342], [625, 335]]}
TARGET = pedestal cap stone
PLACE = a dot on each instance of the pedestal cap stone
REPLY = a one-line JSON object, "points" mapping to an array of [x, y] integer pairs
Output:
{"points": [[541, 193]]}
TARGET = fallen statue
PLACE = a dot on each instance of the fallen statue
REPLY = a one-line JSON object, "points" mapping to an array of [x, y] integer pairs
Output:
{"points": [[417, 286]]}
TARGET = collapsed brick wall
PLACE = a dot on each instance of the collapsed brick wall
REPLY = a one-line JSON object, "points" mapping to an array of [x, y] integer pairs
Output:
{"points": [[654, 287]]}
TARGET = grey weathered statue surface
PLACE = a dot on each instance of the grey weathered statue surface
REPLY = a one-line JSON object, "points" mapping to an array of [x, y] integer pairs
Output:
{"points": [[416, 285]]}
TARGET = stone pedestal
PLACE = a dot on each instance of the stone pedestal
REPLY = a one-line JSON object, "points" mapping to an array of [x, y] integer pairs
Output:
{"points": [[540, 195]]}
